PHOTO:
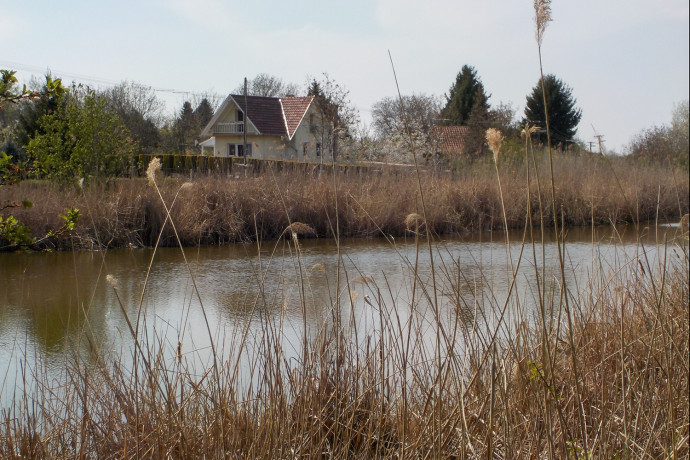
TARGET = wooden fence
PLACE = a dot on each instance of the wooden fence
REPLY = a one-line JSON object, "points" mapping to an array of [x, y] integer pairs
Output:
{"points": [[193, 165]]}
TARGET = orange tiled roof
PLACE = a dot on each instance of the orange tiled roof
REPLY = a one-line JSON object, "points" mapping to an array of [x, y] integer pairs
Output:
{"points": [[451, 138], [294, 109]]}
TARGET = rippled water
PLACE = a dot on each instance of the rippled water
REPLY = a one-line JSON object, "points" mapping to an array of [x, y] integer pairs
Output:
{"points": [[51, 302]]}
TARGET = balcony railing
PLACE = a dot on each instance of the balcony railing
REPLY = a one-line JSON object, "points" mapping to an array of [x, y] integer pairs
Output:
{"points": [[229, 128]]}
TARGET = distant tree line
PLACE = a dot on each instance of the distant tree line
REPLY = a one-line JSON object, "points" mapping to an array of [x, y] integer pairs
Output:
{"points": [[81, 132], [416, 120]]}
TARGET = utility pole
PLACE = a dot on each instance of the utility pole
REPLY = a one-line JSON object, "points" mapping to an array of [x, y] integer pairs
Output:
{"points": [[591, 148], [244, 128], [600, 141]]}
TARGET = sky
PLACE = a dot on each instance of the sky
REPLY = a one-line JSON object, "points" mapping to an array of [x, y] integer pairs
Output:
{"points": [[625, 60]]}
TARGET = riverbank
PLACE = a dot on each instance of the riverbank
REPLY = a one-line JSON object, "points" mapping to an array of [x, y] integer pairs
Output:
{"points": [[222, 209]]}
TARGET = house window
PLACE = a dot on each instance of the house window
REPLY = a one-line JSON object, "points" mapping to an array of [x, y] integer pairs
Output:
{"points": [[318, 149], [305, 148], [231, 150], [239, 148], [240, 121]]}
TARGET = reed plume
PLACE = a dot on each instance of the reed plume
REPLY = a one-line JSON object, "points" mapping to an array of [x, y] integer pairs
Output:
{"points": [[299, 228], [542, 17], [154, 170], [494, 137], [413, 222], [528, 130], [112, 281]]}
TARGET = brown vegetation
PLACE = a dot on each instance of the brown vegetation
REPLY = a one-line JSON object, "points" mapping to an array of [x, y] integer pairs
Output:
{"points": [[219, 209]]}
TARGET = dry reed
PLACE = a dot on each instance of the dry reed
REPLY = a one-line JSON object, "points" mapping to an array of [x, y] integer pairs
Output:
{"points": [[213, 210]]}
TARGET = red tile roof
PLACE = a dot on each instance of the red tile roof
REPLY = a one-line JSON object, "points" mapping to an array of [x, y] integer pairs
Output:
{"points": [[451, 139], [294, 109]]}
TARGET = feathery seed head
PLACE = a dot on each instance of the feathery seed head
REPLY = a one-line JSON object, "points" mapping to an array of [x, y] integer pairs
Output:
{"points": [[112, 281], [413, 222], [299, 228], [153, 170], [528, 130], [542, 17], [363, 279], [495, 140]]}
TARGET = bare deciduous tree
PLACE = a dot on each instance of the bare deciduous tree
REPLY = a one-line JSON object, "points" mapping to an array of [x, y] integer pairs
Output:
{"points": [[268, 86], [420, 113], [338, 116], [130, 96]]}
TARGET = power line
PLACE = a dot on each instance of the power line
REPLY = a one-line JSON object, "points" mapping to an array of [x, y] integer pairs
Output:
{"points": [[37, 70], [88, 78]]}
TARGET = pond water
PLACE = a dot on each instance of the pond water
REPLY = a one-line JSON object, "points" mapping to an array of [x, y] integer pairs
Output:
{"points": [[53, 305]]}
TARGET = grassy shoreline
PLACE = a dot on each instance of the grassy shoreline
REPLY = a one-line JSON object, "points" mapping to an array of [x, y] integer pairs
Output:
{"points": [[221, 209]]}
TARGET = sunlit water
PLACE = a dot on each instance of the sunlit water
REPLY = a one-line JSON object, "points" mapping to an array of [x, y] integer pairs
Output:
{"points": [[51, 302]]}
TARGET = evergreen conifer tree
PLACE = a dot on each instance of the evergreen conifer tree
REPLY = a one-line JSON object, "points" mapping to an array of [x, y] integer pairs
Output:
{"points": [[563, 115], [467, 101]]}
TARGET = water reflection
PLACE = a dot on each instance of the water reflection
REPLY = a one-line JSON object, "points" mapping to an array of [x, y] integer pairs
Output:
{"points": [[50, 302]]}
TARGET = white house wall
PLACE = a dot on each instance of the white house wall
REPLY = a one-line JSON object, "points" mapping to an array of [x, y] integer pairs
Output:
{"points": [[304, 135], [263, 147]]}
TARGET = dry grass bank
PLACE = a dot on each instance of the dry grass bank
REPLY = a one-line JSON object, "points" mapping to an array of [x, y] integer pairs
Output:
{"points": [[223, 209]]}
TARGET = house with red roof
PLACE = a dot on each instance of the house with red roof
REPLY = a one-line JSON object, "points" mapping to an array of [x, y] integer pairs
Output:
{"points": [[285, 128]]}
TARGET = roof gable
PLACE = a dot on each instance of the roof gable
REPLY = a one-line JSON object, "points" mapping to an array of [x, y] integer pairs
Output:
{"points": [[269, 115], [294, 109]]}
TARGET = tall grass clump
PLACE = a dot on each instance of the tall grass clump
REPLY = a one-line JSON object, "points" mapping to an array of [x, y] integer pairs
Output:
{"points": [[219, 209]]}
